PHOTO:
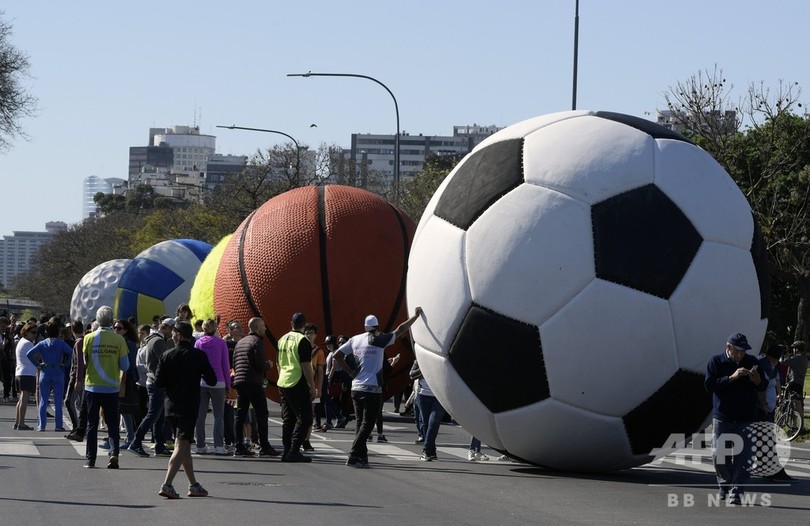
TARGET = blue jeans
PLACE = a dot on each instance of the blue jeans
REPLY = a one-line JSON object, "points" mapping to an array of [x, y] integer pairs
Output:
{"points": [[153, 420], [46, 383], [109, 403], [431, 413], [731, 454], [475, 445]]}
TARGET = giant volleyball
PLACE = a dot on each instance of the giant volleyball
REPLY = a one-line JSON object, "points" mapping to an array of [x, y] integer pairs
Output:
{"points": [[335, 253], [96, 289], [577, 271], [159, 279]]}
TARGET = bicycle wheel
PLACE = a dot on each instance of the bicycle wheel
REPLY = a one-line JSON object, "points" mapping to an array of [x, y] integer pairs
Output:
{"points": [[790, 422]]}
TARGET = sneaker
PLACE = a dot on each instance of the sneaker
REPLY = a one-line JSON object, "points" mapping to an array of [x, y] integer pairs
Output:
{"points": [[40, 429], [105, 444], [296, 456], [89, 464], [163, 453], [23, 427], [243, 452], [341, 423], [504, 458], [471, 456], [358, 463], [269, 452], [139, 451], [307, 446], [426, 457], [419, 439], [480, 456], [168, 491], [220, 450], [60, 429], [113, 464], [205, 450], [736, 499], [381, 438], [195, 490]]}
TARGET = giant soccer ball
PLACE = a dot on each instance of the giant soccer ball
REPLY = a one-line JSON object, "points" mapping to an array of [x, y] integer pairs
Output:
{"points": [[159, 279], [576, 271], [96, 289]]}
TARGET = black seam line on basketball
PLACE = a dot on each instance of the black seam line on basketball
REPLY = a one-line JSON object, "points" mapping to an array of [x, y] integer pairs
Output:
{"points": [[327, 307], [406, 248], [244, 280]]}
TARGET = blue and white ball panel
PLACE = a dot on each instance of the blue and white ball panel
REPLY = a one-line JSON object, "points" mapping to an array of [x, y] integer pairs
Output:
{"points": [[704, 192], [559, 436], [148, 277], [540, 240], [720, 276], [443, 292], [609, 317], [96, 289], [588, 158], [456, 398], [181, 256]]}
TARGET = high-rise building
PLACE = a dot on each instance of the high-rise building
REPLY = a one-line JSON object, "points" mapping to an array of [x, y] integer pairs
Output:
{"points": [[375, 152], [17, 250], [93, 185]]}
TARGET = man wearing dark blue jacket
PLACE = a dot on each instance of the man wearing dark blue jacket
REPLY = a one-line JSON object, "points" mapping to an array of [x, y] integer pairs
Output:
{"points": [[733, 380]]}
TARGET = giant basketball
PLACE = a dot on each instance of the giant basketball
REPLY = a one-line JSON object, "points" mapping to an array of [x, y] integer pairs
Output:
{"points": [[335, 253], [577, 271]]}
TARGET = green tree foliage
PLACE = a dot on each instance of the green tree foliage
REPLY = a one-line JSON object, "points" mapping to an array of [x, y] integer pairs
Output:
{"points": [[763, 141], [195, 221], [141, 199], [58, 266], [16, 102], [417, 191]]}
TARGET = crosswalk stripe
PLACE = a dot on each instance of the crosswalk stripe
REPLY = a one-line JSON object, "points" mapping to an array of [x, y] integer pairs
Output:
{"points": [[19, 447]]}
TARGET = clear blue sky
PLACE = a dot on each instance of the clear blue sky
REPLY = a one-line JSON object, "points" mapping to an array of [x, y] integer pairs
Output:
{"points": [[105, 72]]}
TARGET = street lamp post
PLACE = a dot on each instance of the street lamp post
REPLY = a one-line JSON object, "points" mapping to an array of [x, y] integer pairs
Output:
{"points": [[297, 147], [396, 109], [576, 53]]}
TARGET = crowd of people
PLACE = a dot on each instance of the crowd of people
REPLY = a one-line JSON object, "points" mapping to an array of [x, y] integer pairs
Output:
{"points": [[164, 380]]}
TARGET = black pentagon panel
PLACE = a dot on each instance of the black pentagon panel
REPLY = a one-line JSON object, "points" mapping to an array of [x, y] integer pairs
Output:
{"points": [[759, 253], [650, 128], [679, 406], [500, 360], [642, 240], [485, 177]]}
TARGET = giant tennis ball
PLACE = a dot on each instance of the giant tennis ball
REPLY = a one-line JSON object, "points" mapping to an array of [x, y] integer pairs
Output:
{"points": [[201, 299], [335, 253]]}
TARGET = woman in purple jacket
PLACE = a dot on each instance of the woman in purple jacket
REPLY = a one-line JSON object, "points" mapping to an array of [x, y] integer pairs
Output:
{"points": [[217, 351]]}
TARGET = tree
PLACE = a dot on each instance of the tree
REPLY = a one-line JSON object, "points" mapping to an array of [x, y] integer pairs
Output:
{"points": [[59, 265], [416, 192], [764, 144], [141, 199], [192, 222], [15, 101]]}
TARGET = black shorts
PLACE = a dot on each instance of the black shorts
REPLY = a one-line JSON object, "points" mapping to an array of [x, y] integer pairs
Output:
{"points": [[183, 426], [26, 383]]}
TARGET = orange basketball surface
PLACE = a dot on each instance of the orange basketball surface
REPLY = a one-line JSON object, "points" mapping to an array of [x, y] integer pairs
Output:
{"points": [[335, 253]]}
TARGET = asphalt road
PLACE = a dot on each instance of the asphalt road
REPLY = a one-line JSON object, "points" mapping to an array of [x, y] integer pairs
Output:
{"points": [[43, 482]]}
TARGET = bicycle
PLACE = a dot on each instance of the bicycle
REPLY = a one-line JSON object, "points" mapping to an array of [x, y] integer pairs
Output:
{"points": [[787, 415]]}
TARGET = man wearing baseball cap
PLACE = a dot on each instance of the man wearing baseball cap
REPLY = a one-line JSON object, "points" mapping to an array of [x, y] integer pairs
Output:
{"points": [[734, 382], [368, 349]]}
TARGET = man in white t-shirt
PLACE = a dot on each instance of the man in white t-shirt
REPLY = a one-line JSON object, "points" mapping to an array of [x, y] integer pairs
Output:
{"points": [[368, 349]]}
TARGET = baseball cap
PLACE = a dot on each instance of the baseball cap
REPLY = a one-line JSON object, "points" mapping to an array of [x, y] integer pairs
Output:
{"points": [[169, 322], [370, 322], [739, 341]]}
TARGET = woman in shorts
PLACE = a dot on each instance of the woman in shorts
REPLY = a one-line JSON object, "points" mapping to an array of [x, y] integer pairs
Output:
{"points": [[25, 374]]}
